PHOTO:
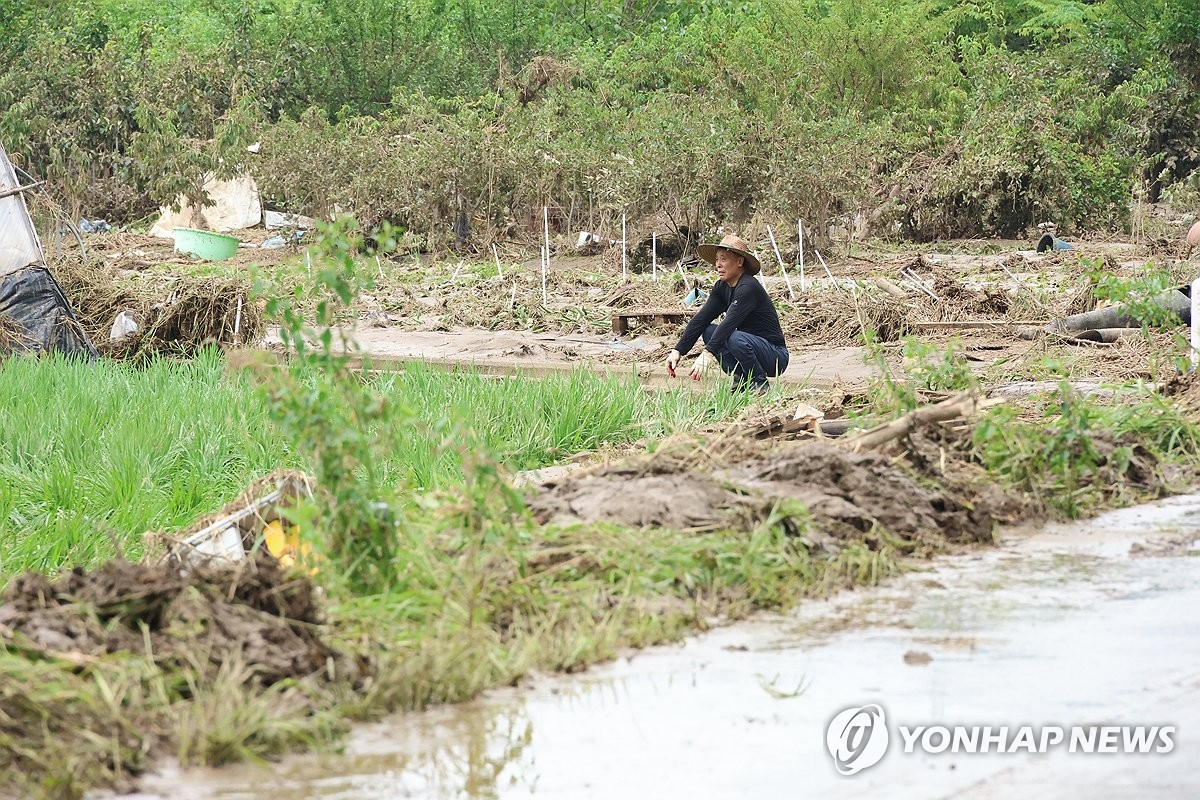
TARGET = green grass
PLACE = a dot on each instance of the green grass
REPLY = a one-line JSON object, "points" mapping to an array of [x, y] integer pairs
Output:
{"points": [[92, 456]]}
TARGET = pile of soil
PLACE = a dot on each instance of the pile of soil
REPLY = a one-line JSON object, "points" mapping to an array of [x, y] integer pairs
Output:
{"points": [[253, 611], [848, 494]]}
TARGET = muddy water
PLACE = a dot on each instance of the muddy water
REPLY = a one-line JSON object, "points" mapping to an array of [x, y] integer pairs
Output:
{"points": [[1070, 625]]}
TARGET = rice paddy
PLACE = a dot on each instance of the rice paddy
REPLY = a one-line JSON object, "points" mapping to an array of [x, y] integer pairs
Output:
{"points": [[94, 455]]}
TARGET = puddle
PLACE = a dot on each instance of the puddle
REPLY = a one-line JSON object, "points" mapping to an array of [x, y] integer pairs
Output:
{"points": [[1069, 625]]}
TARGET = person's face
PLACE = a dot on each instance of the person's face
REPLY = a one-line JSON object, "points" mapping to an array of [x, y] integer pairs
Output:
{"points": [[730, 266]]}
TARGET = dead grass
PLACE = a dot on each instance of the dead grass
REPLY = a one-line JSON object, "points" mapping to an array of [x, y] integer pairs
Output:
{"points": [[179, 314]]}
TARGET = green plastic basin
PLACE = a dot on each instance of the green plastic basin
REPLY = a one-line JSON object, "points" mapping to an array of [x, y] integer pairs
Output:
{"points": [[205, 244]]}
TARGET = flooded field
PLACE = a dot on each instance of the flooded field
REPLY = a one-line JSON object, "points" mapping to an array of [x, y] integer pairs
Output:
{"points": [[1069, 625]]}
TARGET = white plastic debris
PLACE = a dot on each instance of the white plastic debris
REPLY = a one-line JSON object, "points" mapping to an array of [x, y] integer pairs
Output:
{"points": [[123, 325]]}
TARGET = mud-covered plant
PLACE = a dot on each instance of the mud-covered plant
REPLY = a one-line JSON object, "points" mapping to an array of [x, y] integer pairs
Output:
{"points": [[937, 369], [1057, 461], [926, 367], [334, 419]]}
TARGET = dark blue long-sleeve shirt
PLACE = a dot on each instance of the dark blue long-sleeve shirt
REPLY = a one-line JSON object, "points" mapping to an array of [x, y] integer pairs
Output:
{"points": [[747, 307]]}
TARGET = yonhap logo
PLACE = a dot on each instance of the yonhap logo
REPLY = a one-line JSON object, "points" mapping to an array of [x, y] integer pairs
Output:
{"points": [[857, 738]]}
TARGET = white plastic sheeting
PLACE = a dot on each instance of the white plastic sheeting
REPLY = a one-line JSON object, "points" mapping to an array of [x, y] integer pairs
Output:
{"points": [[232, 206], [19, 244]]}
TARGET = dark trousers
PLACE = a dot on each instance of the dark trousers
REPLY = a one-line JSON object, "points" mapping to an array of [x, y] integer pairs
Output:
{"points": [[748, 357]]}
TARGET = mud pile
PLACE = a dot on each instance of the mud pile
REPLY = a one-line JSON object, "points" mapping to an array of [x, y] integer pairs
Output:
{"points": [[254, 612], [848, 494]]}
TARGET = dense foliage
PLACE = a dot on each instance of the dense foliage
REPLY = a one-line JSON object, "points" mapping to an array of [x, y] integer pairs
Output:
{"points": [[928, 117]]}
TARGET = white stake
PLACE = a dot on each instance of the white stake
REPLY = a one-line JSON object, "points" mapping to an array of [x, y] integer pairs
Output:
{"points": [[308, 257], [826, 266], [1195, 322], [654, 256], [782, 266], [237, 320], [800, 229], [496, 255], [928, 287], [456, 271], [380, 267], [623, 273], [546, 263], [920, 284]]}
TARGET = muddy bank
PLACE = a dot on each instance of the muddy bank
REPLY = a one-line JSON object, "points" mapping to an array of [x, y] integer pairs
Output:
{"points": [[1066, 625], [253, 613]]}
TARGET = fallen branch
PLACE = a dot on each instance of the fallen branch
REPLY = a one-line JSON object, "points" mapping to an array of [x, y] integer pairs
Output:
{"points": [[891, 288], [958, 405]]}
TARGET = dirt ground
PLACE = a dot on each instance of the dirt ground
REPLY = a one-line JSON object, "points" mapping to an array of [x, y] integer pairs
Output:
{"points": [[990, 301], [461, 312]]}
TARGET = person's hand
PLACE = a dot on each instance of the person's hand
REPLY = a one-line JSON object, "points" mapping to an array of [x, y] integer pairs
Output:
{"points": [[673, 362], [701, 365]]}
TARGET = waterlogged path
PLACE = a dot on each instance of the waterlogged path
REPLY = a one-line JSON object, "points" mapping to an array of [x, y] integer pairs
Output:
{"points": [[1085, 625]]}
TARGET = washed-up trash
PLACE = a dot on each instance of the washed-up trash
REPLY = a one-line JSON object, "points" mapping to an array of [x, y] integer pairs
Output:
{"points": [[94, 226], [38, 315], [278, 219], [254, 520], [279, 240], [125, 324], [232, 206], [1050, 242]]}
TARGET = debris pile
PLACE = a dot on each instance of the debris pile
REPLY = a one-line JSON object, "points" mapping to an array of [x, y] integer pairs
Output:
{"points": [[254, 612]]}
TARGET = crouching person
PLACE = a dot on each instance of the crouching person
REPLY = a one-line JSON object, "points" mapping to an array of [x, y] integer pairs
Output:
{"points": [[748, 344]]}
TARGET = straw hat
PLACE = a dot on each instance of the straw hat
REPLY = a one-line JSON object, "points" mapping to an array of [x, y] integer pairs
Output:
{"points": [[734, 244]]}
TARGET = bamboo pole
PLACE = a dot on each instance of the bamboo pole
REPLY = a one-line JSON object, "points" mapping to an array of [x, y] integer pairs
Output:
{"points": [[654, 256], [624, 274], [826, 266]]}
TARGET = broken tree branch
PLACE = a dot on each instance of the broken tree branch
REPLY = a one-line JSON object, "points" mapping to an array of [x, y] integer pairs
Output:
{"points": [[957, 405]]}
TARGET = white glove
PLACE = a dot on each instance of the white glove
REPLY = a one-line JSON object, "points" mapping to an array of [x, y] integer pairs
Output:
{"points": [[673, 362], [701, 365]]}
